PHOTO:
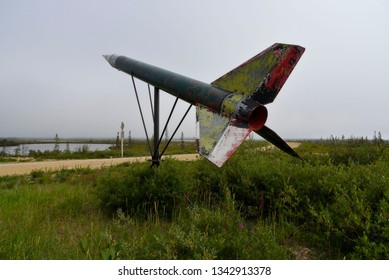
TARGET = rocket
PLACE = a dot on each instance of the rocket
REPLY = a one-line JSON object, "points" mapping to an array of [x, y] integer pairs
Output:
{"points": [[231, 107]]}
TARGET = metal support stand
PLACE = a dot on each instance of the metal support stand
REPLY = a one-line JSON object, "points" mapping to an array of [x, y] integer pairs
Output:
{"points": [[156, 158], [154, 152], [141, 114]]}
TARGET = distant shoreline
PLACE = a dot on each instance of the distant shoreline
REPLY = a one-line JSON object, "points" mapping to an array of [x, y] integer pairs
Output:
{"points": [[15, 141]]}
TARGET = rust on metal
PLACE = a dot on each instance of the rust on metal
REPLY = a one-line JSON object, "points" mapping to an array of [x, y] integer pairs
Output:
{"points": [[231, 107], [262, 76]]}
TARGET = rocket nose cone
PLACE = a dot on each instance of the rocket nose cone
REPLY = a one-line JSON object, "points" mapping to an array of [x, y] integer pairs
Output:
{"points": [[111, 58]]}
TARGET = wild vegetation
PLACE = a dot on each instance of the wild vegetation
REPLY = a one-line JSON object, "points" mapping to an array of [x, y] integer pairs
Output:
{"points": [[260, 205]]}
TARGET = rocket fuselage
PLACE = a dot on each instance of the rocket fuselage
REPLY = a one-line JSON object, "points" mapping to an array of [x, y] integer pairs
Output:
{"points": [[193, 91], [187, 89]]}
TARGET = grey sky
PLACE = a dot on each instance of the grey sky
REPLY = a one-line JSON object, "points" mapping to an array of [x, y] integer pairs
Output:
{"points": [[53, 78]]}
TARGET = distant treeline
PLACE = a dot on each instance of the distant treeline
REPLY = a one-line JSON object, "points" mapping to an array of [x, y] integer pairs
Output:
{"points": [[6, 143]]}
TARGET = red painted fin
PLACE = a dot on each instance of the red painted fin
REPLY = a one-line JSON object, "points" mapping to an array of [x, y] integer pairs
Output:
{"points": [[263, 76]]}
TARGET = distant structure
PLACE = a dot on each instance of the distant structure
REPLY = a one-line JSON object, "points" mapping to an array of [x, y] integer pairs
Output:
{"points": [[122, 138], [56, 143]]}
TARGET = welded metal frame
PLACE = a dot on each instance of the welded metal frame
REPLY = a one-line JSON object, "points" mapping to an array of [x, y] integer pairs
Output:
{"points": [[155, 106]]}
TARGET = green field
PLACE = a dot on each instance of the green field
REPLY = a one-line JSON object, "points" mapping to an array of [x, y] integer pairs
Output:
{"points": [[260, 205]]}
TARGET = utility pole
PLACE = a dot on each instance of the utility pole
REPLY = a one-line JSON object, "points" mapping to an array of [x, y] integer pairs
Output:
{"points": [[122, 136]]}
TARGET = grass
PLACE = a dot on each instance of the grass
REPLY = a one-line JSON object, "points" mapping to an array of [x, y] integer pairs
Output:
{"points": [[260, 205], [41, 220]]}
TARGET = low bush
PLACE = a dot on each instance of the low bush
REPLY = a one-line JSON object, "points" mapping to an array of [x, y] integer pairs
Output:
{"points": [[137, 189], [199, 233]]}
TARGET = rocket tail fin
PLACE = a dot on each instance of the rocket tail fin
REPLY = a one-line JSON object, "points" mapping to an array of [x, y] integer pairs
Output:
{"points": [[262, 77], [218, 136], [277, 141]]}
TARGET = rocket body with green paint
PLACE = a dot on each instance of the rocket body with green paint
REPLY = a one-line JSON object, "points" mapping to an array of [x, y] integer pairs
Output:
{"points": [[231, 107]]}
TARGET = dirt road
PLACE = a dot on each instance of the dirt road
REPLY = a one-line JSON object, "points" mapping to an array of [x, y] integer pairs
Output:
{"points": [[27, 167], [293, 145]]}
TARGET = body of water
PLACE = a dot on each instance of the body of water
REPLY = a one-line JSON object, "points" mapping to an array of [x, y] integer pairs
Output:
{"points": [[24, 149]]}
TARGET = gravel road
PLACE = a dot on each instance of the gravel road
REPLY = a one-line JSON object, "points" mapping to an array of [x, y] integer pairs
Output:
{"points": [[18, 168]]}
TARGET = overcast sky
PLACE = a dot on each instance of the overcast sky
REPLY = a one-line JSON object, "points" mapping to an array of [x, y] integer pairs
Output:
{"points": [[53, 78]]}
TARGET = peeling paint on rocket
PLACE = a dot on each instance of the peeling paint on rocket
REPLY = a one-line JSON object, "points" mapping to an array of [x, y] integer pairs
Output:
{"points": [[231, 107]]}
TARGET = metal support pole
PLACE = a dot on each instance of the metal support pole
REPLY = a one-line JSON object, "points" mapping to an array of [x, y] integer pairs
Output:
{"points": [[155, 158], [167, 122], [141, 114], [174, 133], [151, 102]]}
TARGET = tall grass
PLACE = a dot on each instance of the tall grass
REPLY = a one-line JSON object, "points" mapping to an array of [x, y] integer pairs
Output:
{"points": [[260, 205], [40, 219]]}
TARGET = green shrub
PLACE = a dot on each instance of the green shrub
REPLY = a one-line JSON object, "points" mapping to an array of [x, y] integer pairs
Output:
{"points": [[335, 207], [137, 189], [202, 233]]}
